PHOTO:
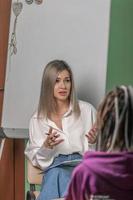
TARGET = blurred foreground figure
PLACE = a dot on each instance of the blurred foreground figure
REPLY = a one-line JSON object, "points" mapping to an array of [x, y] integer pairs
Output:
{"points": [[108, 172]]}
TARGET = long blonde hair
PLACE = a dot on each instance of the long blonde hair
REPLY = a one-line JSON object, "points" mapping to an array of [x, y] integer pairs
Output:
{"points": [[47, 104]]}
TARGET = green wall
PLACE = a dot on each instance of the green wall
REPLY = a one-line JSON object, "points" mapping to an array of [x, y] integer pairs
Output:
{"points": [[120, 52]]}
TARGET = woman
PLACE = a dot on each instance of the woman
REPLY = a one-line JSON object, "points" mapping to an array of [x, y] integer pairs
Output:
{"points": [[108, 173], [57, 133]]}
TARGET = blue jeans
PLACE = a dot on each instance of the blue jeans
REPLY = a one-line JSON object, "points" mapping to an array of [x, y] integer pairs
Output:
{"points": [[57, 176]]}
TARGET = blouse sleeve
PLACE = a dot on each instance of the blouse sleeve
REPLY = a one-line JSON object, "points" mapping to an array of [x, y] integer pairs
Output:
{"points": [[35, 151], [92, 147], [93, 114], [90, 113]]}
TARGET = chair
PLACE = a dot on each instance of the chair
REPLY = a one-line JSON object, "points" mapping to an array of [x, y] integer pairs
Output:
{"points": [[34, 176]]}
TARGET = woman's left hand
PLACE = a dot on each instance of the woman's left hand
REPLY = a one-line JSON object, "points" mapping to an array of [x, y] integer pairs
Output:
{"points": [[92, 135], [52, 139]]}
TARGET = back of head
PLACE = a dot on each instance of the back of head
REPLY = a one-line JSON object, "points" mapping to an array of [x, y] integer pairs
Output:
{"points": [[115, 120]]}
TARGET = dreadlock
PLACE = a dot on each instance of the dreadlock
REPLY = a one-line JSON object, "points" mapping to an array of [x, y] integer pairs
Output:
{"points": [[115, 120]]}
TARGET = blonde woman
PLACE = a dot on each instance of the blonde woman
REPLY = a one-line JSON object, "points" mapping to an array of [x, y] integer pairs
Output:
{"points": [[57, 132]]}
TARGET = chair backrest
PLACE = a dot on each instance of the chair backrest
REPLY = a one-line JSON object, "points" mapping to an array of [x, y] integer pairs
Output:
{"points": [[34, 174]]}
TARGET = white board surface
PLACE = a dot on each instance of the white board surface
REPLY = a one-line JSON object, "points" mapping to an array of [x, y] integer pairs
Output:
{"points": [[73, 30]]}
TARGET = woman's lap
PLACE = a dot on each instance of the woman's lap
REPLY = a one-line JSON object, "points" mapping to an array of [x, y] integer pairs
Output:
{"points": [[56, 178], [55, 183]]}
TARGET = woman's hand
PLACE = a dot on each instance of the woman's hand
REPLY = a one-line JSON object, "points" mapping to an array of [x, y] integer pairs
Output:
{"points": [[52, 139], [92, 135]]}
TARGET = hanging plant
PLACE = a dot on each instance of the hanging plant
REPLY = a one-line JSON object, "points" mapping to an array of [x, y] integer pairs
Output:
{"points": [[17, 8]]}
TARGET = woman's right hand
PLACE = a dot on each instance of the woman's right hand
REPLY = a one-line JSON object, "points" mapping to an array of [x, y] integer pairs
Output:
{"points": [[52, 139]]}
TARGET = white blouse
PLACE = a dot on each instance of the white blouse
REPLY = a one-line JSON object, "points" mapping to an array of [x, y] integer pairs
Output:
{"points": [[73, 132]]}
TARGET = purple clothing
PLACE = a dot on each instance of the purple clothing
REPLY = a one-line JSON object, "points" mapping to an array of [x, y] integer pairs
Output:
{"points": [[103, 175]]}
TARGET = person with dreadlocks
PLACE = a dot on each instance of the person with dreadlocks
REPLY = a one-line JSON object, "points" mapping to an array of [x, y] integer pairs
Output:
{"points": [[107, 174]]}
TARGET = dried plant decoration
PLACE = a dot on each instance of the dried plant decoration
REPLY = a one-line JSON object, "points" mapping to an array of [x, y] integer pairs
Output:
{"points": [[17, 8]]}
